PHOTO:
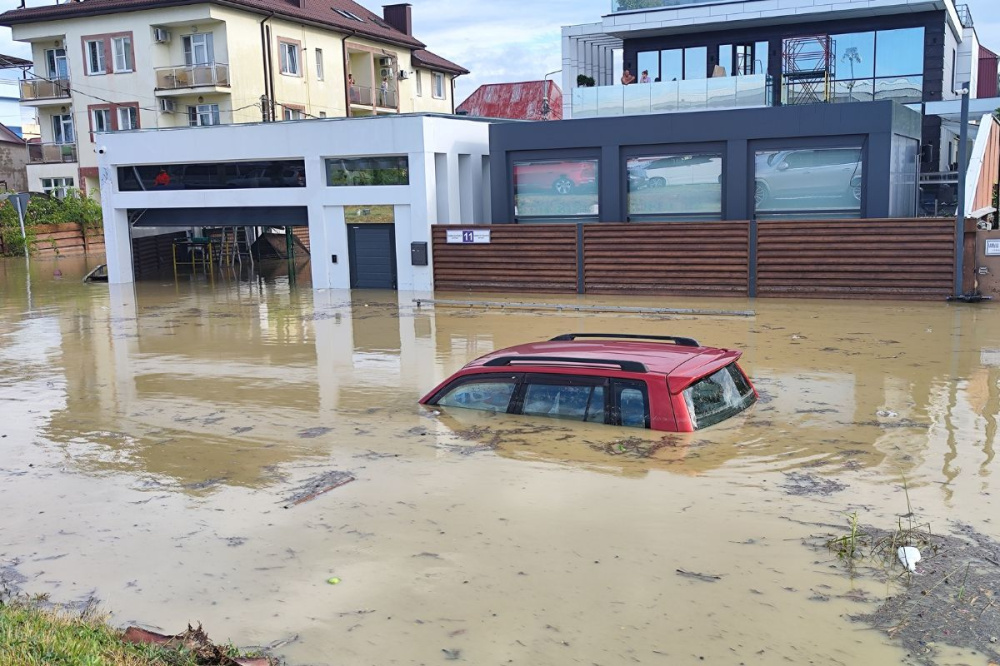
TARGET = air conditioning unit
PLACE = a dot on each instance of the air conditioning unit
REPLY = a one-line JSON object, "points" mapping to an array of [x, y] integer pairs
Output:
{"points": [[385, 62], [403, 74], [167, 105], [386, 73], [161, 36]]}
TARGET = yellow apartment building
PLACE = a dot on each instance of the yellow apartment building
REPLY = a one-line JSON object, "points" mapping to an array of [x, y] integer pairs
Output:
{"points": [[108, 65]]}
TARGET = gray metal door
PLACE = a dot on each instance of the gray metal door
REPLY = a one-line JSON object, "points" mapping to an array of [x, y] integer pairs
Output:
{"points": [[372, 254]]}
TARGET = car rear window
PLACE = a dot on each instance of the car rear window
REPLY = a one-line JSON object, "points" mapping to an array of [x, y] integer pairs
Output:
{"points": [[718, 396]]}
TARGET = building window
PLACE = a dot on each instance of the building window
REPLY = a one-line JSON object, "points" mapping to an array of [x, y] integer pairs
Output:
{"points": [[203, 115], [128, 118], [695, 63], [361, 171], [213, 175], [62, 128], [319, 64], [819, 182], [420, 82], [56, 63], [57, 187], [556, 190], [100, 120], [438, 85], [122, 50], [291, 113], [95, 58], [289, 58], [669, 187], [199, 49]]}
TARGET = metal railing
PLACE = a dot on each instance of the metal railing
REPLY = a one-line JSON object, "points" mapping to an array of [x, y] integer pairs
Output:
{"points": [[964, 15], [192, 76], [387, 99], [730, 92], [361, 95], [51, 153], [38, 88]]}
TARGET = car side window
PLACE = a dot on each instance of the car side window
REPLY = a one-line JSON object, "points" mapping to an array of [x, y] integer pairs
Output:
{"points": [[491, 394], [576, 403], [631, 407]]}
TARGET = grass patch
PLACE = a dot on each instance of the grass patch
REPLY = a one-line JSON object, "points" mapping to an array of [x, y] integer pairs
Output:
{"points": [[33, 632]]}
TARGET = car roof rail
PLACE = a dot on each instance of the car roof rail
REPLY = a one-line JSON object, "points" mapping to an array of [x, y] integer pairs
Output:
{"points": [[627, 366], [684, 342]]}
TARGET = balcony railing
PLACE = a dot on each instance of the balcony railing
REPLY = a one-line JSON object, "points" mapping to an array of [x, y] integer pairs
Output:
{"points": [[51, 153], [192, 76], [35, 89], [639, 5], [965, 15], [731, 92], [361, 95], [387, 99]]}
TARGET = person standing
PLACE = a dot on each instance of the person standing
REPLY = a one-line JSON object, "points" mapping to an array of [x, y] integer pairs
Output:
{"points": [[627, 78]]}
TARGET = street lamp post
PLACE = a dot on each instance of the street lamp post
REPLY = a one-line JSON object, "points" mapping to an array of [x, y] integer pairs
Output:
{"points": [[546, 109]]}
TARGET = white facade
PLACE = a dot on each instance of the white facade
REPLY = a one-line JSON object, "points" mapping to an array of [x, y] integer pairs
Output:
{"points": [[448, 175]]}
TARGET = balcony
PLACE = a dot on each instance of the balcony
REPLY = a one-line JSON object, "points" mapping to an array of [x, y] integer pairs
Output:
{"points": [[361, 96], [51, 153], [731, 92], [182, 79], [387, 99], [39, 92]]}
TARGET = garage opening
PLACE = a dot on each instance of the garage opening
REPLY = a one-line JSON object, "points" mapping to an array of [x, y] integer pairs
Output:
{"points": [[245, 241]]}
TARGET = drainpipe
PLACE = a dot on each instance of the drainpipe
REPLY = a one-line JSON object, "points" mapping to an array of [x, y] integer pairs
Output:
{"points": [[452, 93], [347, 66], [265, 44]]}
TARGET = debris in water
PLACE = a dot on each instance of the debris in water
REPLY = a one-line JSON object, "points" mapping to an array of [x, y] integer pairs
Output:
{"points": [[333, 581], [886, 414], [909, 556], [797, 483], [705, 578], [195, 641], [452, 655], [315, 487], [312, 433]]}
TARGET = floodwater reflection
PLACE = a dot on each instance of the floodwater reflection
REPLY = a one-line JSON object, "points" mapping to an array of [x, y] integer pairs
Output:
{"points": [[157, 430]]}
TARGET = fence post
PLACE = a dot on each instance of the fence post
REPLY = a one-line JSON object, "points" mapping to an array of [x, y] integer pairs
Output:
{"points": [[581, 286], [752, 260]]}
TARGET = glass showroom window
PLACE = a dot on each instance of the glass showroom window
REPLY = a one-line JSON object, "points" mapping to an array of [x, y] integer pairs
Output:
{"points": [[669, 187], [361, 171], [555, 190], [213, 176], [818, 182], [883, 65]]}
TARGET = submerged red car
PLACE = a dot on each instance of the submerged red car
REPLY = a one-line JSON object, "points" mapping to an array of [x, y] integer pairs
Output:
{"points": [[640, 381]]}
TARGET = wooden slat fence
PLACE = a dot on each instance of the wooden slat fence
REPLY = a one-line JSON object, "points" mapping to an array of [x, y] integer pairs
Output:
{"points": [[689, 259], [519, 258], [899, 259], [65, 240], [893, 259], [151, 254]]}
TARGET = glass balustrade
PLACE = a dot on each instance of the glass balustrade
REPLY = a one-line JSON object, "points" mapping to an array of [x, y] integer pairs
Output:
{"points": [[731, 92]]}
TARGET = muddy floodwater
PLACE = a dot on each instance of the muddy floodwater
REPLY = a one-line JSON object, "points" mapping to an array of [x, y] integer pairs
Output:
{"points": [[152, 438]]}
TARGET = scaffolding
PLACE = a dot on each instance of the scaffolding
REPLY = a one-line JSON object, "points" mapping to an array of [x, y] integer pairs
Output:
{"points": [[808, 66]]}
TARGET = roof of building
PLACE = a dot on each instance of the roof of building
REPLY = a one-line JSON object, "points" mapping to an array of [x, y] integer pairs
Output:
{"points": [[517, 101], [12, 62], [424, 58], [8, 135], [323, 12]]}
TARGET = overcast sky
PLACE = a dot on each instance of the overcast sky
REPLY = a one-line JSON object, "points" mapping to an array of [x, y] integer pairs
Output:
{"points": [[513, 40]]}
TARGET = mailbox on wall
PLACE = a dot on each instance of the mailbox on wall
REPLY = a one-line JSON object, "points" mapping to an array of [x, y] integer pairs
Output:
{"points": [[418, 253]]}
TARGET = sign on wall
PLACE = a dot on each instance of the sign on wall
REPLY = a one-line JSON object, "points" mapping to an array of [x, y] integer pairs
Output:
{"points": [[469, 236], [992, 247]]}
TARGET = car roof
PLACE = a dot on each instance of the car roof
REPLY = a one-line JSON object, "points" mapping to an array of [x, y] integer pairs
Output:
{"points": [[658, 357]]}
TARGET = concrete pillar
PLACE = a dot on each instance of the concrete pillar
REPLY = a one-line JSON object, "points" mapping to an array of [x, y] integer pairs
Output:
{"points": [[454, 190], [117, 239], [609, 64], [321, 252]]}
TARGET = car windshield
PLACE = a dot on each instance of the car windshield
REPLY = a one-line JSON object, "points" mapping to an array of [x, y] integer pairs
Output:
{"points": [[718, 396]]}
